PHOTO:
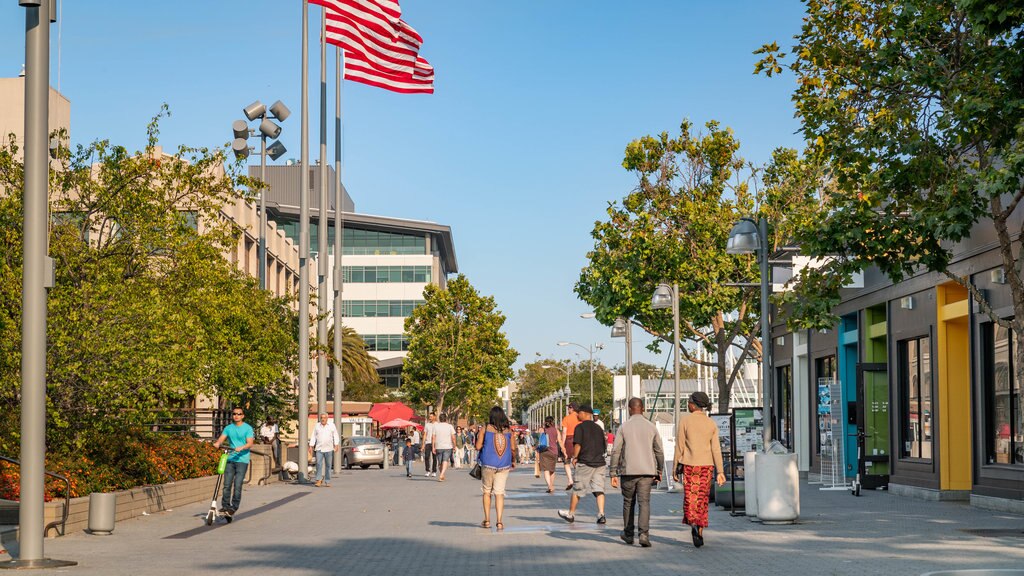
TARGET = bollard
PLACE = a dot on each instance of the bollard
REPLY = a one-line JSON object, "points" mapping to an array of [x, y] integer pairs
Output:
{"points": [[387, 459], [750, 483], [102, 510]]}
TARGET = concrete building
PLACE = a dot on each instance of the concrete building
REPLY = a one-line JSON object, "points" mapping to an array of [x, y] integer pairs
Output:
{"points": [[12, 111]]}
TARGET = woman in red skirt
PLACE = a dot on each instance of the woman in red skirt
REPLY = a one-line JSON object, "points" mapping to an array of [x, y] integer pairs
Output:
{"points": [[699, 454]]}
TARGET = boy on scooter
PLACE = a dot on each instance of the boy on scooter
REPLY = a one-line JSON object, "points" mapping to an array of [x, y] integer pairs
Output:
{"points": [[241, 437]]}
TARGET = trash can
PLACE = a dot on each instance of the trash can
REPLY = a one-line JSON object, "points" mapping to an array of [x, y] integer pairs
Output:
{"points": [[778, 486], [102, 510], [750, 483]]}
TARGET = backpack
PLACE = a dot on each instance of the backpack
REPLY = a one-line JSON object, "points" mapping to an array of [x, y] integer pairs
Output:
{"points": [[542, 442]]}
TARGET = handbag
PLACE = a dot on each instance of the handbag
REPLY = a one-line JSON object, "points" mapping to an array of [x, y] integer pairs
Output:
{"points": [[476, 471], [679, 469]]}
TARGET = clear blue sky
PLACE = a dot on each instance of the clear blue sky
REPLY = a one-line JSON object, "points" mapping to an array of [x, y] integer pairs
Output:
{"points": [[520, 148]]}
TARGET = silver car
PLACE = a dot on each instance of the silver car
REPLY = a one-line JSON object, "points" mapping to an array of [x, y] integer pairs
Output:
{"points": [[362, 451]]}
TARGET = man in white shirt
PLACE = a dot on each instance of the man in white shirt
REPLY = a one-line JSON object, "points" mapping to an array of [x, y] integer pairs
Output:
{"points": [[326, 442], [429, 458], [444, 443]]}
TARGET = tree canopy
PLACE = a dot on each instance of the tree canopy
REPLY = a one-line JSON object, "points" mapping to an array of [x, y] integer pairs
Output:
{"points": [[458, 355]]}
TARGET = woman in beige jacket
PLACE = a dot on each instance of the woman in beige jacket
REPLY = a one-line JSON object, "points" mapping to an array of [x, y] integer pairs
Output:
{"points": [[699, 455]]}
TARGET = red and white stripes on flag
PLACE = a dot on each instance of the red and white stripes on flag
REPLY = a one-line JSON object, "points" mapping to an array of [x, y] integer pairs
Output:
{"points": [[380, 49]]}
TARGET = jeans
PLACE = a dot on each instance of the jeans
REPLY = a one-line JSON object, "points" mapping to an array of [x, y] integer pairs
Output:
{"points": [[408, 467], [636, 489], [429, 458], [234, 477], [324, 462]]}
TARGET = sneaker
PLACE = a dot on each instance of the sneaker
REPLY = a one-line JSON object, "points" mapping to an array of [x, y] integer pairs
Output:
{"points": [[564, 515], [645, 541], [601, 519], [427, 474], [628, 539], [319, 483]]}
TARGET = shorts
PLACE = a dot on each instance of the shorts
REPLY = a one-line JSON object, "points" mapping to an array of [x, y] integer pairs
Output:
{"points": [[589, 479], [443, 455], [568, 449], [547, 461], [493, 481]]}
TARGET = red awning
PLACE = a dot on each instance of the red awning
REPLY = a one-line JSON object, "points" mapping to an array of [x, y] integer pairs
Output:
{"points": [[387, 411]]}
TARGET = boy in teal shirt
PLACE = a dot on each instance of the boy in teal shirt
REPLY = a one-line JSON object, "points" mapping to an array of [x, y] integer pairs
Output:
{"points": [[241, 437]]}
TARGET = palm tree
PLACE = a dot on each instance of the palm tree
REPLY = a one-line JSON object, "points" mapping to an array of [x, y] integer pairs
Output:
{"points": [[358, 368]]}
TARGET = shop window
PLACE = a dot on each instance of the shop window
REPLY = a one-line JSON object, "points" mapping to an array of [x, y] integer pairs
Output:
{"points": [[1004, 402], [915, 381], [784, 405]]}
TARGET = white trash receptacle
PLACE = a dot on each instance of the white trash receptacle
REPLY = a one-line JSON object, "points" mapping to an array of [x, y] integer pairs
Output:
{"points": [[102, 511], [750, 483], [778, 487]]}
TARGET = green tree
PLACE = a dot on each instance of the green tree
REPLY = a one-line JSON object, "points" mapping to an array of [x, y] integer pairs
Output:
{"points": [[146, 312], [673, 227], [358, 368], [458, 355], [917, 109]]}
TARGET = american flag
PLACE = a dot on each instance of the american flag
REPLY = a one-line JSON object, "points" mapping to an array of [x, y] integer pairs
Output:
{"points": [[380, 48]]}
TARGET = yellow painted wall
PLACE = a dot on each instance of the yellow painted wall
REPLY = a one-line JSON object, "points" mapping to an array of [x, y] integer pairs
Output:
{"points": [[954, 401]]}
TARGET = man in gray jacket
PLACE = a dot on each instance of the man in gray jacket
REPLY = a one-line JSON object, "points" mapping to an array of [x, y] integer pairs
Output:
{"points": [[638, 461]]}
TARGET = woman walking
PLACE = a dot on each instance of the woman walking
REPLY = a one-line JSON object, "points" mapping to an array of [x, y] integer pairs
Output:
{"points": [[547, 452], [495, 445], [699, 455]]}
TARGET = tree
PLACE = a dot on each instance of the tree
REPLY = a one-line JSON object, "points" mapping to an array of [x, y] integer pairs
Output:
{"points": [[358, 368], [146, 312], [458, 355], [917, 109], [673, 228]]}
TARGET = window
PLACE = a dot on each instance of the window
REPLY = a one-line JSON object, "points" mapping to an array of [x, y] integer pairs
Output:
{"points": [[391, 377], [915, 381], [784, 405], [385, 342], [379, 308], [1004, 403], [385, 274], [357, 241]]}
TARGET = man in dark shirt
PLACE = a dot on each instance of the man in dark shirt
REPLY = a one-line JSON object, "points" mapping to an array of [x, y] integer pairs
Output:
{"points": [[589, 446]]}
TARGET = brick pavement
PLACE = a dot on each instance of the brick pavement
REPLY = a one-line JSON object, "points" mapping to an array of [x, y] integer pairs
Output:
{"points": [[377, 522]]}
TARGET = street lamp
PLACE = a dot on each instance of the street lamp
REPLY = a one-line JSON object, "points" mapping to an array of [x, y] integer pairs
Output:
{"points": [[623, 327], [666, 296], [590, 350], [240, 146], [747, 237]]}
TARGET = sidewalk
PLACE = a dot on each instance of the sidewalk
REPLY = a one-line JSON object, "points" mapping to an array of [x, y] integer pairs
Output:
{"points": [[378, 522]]}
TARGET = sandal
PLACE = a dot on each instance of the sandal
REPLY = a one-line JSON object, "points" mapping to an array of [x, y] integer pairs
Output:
{"points": [[500, 526], [485, 524]]}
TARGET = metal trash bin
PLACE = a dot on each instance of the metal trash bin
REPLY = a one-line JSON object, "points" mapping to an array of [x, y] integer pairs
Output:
{"points": [[102, 512]]}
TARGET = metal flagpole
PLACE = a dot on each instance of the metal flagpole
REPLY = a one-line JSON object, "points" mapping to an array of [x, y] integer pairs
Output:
{"points": [[303, 416], [37, 274], [322, 228], [339, 227]]}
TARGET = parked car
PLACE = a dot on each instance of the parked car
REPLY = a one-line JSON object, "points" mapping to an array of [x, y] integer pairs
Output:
{"points": [[362, 451]]}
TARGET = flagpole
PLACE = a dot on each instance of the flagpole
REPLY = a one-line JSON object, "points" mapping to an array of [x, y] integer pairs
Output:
{"points": [[303, 415], [322, 221], [339, 228]]}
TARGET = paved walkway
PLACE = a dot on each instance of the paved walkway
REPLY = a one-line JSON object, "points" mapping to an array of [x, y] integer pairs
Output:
{"points": [[378, 522]]}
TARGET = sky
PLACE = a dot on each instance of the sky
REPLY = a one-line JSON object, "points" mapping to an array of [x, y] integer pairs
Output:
{"points": [[519, 149]]}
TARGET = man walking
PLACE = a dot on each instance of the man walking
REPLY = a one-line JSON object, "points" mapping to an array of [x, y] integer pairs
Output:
{"points": [[588, 455], [240, 437], [325, 441], [444, 443], [565, 440], [429, 458], [637, 462]]}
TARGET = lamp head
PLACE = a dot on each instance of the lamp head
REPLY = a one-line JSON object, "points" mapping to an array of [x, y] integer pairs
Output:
{"points": [[254, 110], [662, 298], [241, 148], [619, 328], [588, 315], [743, 238], [269, 128], [276, 150], [240, 129], [280, 111], [563, 343]]}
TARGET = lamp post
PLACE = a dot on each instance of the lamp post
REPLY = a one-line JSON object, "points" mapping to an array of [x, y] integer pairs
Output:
{"points": [[666, 296], [566, 392], [240, 146], [590, 350], [747, 237], [623, 327]]}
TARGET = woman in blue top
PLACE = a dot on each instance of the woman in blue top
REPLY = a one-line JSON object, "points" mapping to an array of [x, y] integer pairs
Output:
{"points": [[495, 444]]}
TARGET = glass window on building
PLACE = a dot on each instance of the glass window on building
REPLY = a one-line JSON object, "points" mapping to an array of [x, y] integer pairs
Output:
{"points": [[379, 308], [1004, 402], [385, 274], [784, 407], [356, 241], [386, 342], [915, 381], [391, 377]]}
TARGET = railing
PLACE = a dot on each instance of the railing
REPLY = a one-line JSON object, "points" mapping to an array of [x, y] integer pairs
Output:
{"points": [[67, 498], [205, 424]]}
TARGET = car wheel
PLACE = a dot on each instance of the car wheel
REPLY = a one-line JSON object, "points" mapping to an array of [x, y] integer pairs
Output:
{"points": [[364, 466]]}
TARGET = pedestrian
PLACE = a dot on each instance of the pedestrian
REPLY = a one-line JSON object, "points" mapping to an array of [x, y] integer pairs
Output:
{"points": [[494, 443], [460, 447], [444, 443], [429, 457], [415, 442], [240, 437], [396, 447], [698, 454], [409, 453], [547, 452], [637, 463], [325, 441], [565, 440], [271, 434], [588, 457]]}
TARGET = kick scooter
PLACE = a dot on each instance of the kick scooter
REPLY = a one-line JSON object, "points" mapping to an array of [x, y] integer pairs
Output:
{"points": [[214, 511]]}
